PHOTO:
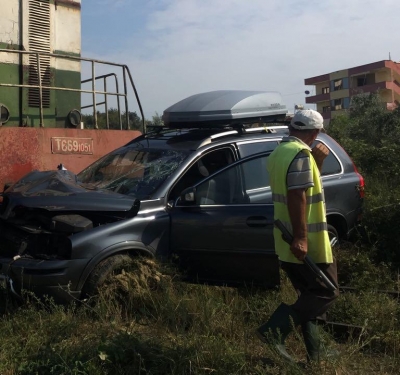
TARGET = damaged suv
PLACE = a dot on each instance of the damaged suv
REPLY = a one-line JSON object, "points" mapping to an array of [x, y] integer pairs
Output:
{"points": [[196, 189]]}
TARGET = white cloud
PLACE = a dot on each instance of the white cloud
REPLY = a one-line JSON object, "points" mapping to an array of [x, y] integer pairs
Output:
{"points": [[191, 46]]}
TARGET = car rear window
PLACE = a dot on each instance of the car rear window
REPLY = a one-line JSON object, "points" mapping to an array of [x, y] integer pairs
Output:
{"points": [[331, 164]]}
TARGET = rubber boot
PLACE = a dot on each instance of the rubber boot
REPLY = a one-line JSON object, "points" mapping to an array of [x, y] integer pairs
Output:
{"points": [[316, 351], [278, 327]]}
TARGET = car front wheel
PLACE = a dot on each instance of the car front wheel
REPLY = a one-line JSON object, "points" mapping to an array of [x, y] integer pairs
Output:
{"points": [[105, 272]]}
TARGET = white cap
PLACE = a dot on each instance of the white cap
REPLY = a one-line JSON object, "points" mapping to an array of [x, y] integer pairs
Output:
{"points": [[307, 119]]}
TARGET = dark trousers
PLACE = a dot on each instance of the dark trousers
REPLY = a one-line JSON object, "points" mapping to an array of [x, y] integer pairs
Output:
{"points": [[314, 299]]}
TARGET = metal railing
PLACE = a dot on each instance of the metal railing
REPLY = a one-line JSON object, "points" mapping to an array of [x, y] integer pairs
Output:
{"points": [[105, 102], [125, 73]]}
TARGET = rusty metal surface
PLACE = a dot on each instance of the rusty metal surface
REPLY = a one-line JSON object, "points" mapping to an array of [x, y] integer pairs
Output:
{"points": [[26, 149]]}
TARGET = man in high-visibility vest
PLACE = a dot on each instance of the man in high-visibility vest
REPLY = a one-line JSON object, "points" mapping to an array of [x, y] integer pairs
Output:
{"points": [[298, 197]]}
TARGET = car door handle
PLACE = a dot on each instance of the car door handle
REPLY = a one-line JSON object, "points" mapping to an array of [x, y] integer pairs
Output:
{"points": [[257, 221]]}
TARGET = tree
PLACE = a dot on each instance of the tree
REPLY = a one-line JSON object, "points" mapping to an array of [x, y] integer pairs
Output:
{"points": [[156, 120], [115, 120], [371, 135]]}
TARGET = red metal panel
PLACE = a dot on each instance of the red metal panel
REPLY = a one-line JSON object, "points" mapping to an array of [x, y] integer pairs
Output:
{"points": [[25, 149]]}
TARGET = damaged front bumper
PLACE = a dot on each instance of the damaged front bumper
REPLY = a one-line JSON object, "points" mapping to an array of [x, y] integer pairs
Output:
{"points": [[42, 277]]}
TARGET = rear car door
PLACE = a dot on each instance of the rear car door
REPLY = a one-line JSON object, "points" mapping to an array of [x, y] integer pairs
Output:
{"points": [[225, 234], [342, 187]]}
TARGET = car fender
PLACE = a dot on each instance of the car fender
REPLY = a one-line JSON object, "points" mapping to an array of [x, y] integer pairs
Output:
{"points": [[130, 247], [339, 222]]}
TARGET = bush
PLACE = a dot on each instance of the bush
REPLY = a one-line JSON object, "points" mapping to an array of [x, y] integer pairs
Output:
{"points": [[370, 133]]}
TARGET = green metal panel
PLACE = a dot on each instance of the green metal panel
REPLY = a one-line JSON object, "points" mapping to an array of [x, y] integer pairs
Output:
{"points": [[10, 96], [65, 101], [61, 102]]}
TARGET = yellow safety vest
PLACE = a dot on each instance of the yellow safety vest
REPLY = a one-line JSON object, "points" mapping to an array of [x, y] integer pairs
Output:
{"points": [[319, 248]]}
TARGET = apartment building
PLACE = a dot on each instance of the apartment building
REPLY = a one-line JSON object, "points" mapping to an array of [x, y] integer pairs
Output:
{"points": [[333, 91]]}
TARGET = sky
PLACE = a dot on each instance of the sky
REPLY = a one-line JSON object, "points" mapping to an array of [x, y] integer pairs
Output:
{"points": [[178, 48]]}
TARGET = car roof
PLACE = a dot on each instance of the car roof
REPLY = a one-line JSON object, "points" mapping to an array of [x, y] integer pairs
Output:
{"points": [[193, 139]]}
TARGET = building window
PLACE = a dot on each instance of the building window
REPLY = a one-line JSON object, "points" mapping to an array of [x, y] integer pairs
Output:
{"points": [[340, 84], [336, 105], [325, 90], [325, 109], [363, 80], [360, 81]]}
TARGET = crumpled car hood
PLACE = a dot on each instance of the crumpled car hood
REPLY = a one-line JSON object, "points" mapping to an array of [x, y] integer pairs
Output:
{"points": [[60, 190]]}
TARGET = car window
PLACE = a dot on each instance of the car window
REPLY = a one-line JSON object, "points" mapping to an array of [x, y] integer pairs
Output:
{"points": [[203, 167], [243, 183], [256, 174], [252, 147], [331, 163], [255, 171]]}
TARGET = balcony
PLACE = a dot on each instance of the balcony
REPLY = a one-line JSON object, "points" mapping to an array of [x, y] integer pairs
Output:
{"points": [[394, 86], [368, 88], [318, 98]]}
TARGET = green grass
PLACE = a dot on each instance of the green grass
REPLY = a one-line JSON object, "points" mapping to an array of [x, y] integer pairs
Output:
{"points": [[150, 322]]}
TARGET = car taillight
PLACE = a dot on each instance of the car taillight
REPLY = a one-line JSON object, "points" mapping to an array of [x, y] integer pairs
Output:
{"points": [[361, 186]]}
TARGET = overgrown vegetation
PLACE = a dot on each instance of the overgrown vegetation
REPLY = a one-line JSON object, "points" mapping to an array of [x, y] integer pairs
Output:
{"points": [[148, 321], [370, 134]]}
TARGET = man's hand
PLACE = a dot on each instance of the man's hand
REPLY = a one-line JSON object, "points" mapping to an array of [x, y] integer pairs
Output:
{"points": [[319, 153], [299, 248]]}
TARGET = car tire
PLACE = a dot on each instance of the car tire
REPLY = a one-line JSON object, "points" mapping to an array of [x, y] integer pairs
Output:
{"points": [[333, 235], [104, 272]]}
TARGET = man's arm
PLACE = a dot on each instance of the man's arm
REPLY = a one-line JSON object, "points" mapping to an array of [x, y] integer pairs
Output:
{"points": [[297, 211], [319, 153], [298, 180]]}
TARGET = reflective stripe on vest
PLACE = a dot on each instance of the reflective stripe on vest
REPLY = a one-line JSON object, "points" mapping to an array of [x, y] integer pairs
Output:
{"points": [[311, 228], [281, 198]]}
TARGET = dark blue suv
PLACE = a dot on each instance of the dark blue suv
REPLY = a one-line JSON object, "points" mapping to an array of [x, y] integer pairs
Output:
{"points": [[197, 191]]}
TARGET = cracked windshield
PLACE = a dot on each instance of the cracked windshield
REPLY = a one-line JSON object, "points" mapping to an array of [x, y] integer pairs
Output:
{"points": [[132, 172]]}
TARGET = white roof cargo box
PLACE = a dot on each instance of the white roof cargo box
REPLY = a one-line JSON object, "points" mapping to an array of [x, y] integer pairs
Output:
{"points": [[225, 107]]}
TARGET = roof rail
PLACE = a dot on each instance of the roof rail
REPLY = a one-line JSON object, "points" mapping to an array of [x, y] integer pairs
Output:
{"points": [[266, 129], [224, 134], [242, 131]]}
